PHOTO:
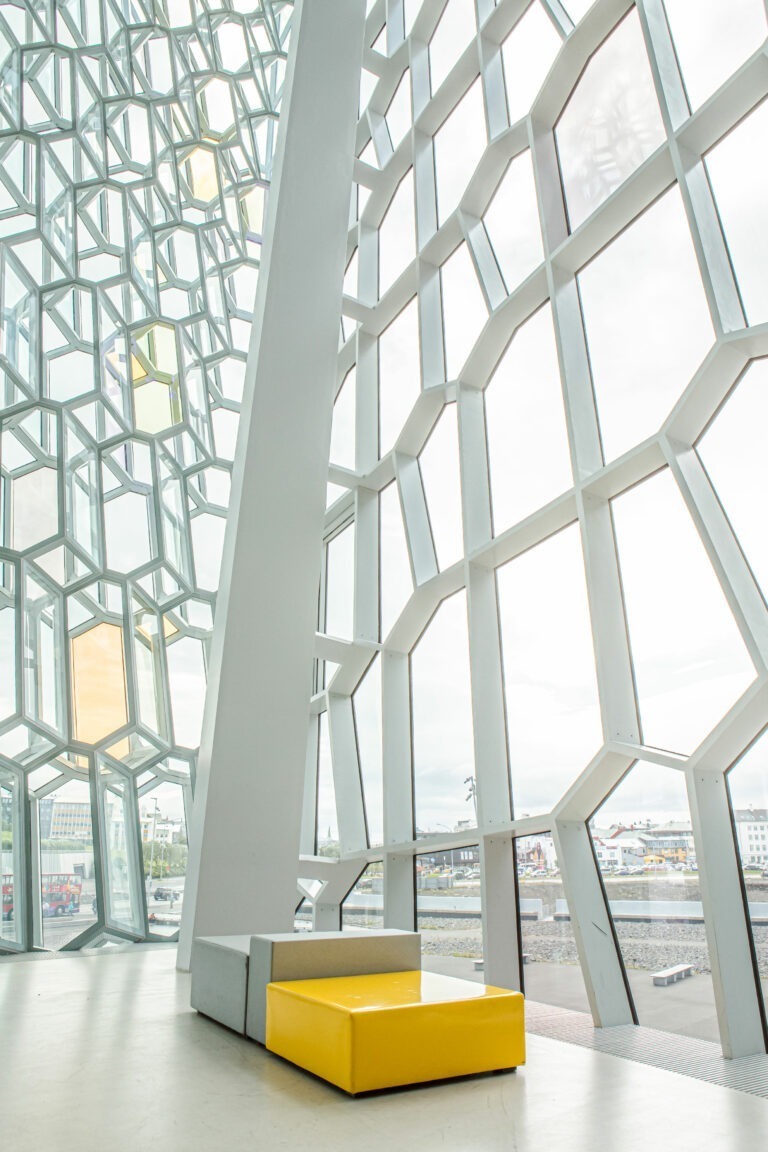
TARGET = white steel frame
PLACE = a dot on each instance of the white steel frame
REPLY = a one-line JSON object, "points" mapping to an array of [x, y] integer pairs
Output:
{"points": [[110, 162], [679, 159]]}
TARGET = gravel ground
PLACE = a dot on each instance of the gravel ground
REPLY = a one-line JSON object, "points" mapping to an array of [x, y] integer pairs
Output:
{"points": [[648, 947], [645, 946]]}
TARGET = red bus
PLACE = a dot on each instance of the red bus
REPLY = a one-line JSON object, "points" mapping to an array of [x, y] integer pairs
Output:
{"points": [[7, 897], [60, 894]]}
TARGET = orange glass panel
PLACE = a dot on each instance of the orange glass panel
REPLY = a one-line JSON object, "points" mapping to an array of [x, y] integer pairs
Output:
{"points": [[98, 683]]}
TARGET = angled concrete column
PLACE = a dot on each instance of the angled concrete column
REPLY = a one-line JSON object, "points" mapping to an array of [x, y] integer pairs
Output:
{"points": [[501, 941], [733, 975], [603, 976], [399, 892], [246, 824]]}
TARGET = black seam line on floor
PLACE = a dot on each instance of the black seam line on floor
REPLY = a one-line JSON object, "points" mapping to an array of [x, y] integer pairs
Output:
{"points": [[685, 1055]]}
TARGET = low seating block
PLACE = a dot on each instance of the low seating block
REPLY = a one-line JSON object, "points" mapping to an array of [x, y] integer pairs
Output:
{"points": [[296, 956], [220, 978], [387, 1029]]}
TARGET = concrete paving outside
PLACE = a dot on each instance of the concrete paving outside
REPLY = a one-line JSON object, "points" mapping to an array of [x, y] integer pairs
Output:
{"points": [[687, 1007]]}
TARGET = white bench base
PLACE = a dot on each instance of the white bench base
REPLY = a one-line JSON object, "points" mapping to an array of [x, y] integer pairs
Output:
{"points": [[220, 978], [672, 975], [230, 973]]}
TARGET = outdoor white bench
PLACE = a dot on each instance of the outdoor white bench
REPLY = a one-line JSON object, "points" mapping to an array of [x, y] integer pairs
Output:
{"points": [[480, 964], [671, 975], [230, 973]]}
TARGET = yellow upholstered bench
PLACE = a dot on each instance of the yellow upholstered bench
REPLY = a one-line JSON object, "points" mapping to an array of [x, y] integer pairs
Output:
{"points": [[391, 1028]]}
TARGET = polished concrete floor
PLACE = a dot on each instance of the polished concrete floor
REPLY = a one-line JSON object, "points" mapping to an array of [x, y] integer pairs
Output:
{"points": [[103, 1054]]}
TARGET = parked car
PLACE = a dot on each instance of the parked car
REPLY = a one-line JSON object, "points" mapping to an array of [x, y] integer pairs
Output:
{"points": [[162, 892]]}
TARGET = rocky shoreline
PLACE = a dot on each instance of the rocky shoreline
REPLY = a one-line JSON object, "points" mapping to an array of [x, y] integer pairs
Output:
{"points": [[645, 946]]}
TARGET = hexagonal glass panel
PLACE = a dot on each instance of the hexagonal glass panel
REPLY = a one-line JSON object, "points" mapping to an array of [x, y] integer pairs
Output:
{"points": [[733, 452], [399, 374], [464, 309], [512, 223], [550, 683], [456, 28], [647, 322], [34, 507], [398, 115], [443, 750], [326, 822], [611, 123], [340, 585], [126, 531], [440, 474], [395, 578], [366, 702], [122, 894], [528, 53], [551, 969], [740, 185], [186, 682], [712, 40], [528, 453], [748, 792], [448, 911], [8, 634], [397, 234], [99, 699], [690, 663], [10, 859], [364, 905], [343, 427], [459, 144], [163, 821], [64, 905]]}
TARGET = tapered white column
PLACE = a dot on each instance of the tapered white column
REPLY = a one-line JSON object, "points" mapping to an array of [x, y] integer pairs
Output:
{"points": [[725, 917], [244, 847]]}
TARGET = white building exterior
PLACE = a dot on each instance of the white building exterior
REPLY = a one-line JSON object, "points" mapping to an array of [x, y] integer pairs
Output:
{"points": [[751, 826]]}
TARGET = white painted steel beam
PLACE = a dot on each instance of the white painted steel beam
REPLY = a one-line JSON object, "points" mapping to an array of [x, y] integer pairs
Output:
{"points": [[502, 952], [247, 819], [607, 992], [346, 774], [725, 916]]}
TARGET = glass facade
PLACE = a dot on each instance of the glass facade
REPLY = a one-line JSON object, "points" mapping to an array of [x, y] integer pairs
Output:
{"points": [[543, 594], [558, 377], [136, 144]]}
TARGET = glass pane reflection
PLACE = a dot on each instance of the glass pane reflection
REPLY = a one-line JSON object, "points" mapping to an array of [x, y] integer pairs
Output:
{"points": [[553, 713], [443, 749], [364, 906], [748, 790], [528, 53], [551, 969], [64, 906], [459, 144], [610, 124], [399, 374], [644, 846], [740, 183], [528, 453], [647, 321], [690, 663], [448, 911], [733, 452], [712, 39], [367, 712]]}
